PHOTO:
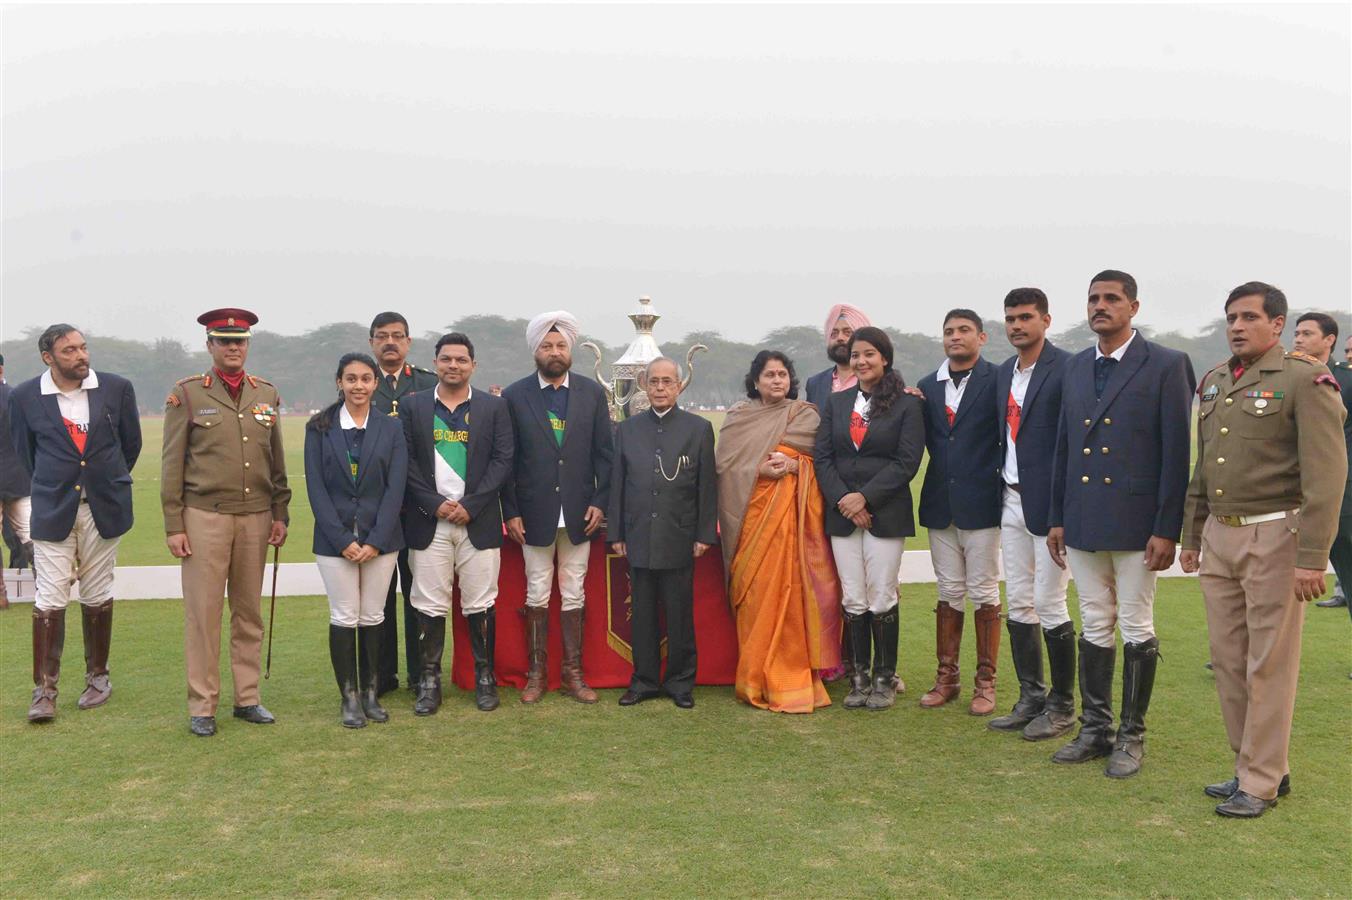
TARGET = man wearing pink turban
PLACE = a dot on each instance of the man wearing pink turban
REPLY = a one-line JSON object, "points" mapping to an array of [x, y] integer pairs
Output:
{"points": [[841, 323]]}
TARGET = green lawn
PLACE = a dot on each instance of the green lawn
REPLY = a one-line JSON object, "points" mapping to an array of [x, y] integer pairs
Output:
{"points": [[144, 544], [561, 799]]}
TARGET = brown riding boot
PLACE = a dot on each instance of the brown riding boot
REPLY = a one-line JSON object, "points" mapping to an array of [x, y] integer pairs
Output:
{"points": [[987, 650], [49, 637], [573, 685], [537, 635], [948, 639], [97, 622]]}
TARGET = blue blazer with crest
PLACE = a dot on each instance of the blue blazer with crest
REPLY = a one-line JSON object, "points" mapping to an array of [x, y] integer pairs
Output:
{"points": [[61, 476], [962, 482], [365, 510]]}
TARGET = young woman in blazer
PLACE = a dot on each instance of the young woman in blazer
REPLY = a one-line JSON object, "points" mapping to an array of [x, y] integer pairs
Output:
{"points": [[356, 463], [869, 447]]}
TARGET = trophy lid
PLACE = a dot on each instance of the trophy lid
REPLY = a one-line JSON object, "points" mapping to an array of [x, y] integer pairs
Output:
{"points": [[643, 349]]}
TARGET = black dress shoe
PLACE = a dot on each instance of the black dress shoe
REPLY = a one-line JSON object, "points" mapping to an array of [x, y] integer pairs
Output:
{"points": [[1225, 789], [632, 697], [255, 714], [202, 726], [684, 701], [1244, 806]]}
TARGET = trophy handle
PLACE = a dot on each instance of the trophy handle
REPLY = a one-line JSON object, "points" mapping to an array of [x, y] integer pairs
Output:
{"points": [[690, 364], [600, 379]]}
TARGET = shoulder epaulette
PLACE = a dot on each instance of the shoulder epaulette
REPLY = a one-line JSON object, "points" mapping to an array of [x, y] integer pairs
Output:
{"points": [[256, 380], [189, 378], [1303, 357]]}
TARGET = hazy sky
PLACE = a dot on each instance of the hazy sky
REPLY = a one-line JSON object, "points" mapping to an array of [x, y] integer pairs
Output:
{"points": [[746, 166]]}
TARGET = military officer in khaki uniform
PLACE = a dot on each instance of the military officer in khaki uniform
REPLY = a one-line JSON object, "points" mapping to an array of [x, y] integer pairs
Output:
{"points": [[1261, 513], [224, 493]]}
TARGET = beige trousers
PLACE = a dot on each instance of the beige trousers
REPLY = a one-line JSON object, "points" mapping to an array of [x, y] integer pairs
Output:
{"points": [[83, 556], [229, 555], [1254, 620]]}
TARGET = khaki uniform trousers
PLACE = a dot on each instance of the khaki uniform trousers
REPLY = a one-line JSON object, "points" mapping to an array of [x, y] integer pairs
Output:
{"points": [[1254, 620], [229, 552]]}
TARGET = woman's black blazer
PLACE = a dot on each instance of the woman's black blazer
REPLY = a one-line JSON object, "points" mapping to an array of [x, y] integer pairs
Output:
{"points": [[370, 505], [881, 469]]}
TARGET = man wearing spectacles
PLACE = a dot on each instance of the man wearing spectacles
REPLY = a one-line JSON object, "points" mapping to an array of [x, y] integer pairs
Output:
{"points": [[390, 343]]}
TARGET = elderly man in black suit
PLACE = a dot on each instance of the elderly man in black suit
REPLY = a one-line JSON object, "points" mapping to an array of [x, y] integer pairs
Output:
{"points": [[78, 431], [663, 516], [1119, 479], [557, 496], [459, 457]]}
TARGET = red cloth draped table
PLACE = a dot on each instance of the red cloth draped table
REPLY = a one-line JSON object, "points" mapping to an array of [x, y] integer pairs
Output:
{"points": [[607, 661]]}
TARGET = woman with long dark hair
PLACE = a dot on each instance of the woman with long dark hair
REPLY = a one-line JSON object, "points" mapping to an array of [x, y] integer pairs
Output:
{"points": [[356, 462], [868, 448], [782, 583]]}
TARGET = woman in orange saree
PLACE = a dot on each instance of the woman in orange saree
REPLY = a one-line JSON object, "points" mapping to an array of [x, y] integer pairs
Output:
{"points": [[782, 581]]}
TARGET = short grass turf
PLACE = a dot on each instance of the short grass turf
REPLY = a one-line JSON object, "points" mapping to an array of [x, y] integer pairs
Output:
{"points": [[561, 799], [144, 544]]}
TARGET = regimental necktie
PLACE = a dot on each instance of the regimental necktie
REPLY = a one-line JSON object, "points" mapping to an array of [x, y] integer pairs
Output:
{"points": [[1013, 412], [1103, 368], [390, 380]]}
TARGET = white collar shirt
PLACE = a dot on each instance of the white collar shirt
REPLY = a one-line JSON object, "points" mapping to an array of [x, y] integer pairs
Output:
{"points": [[74, 405], [1018, 390], [1119, 352]]}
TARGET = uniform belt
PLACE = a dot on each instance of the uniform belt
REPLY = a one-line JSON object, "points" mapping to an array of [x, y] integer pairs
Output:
{"points": [[1014, 487], [1238, 521]]}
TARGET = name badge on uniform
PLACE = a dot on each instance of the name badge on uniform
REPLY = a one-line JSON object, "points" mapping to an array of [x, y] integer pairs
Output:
{"points": [[209, 411], [1211, 392]]}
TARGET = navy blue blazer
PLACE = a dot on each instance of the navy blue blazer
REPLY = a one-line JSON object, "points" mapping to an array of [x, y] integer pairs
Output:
{"points": [[818, 388], [881, 468], [548, 477], [1038, 420], [488, 466], [962, 482], [1120, 470], [61, 476], [15, 479], [367, 510]]}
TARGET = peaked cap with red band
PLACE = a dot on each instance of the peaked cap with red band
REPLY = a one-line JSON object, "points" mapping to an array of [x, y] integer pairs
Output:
{"points": [[228, 323]]}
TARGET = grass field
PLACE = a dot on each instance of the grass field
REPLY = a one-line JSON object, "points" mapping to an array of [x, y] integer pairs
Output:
{"points": [[144, 544], [565, 800]]}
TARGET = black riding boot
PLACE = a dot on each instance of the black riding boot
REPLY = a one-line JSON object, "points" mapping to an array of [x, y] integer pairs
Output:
{"points": [[1138, 679], [1058, 713], [1025, 646], [861, 641], [884, 631], [482, 637], [1096, 706], [369, 638], [343, 652], [431, 643]]}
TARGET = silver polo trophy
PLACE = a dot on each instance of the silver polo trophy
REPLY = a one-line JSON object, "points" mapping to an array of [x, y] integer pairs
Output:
{"points": [[624, 389]]}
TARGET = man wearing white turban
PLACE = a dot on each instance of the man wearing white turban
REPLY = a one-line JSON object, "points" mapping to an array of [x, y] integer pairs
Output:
{"points": [[554, 502]]}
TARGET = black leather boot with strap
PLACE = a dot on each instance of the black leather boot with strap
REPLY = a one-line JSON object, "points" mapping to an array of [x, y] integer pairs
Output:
{"points": [[1025, 646], [1095, 739], [1139, 662], [343, 654]]}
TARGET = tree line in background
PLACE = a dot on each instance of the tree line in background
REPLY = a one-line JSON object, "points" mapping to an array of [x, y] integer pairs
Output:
{"points": [[302, 366]]}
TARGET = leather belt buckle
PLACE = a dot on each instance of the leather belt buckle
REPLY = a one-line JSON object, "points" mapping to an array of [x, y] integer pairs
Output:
{"points": [[1232, 521]]}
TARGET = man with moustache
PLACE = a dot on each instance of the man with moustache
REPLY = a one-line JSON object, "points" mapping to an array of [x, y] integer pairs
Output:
{"points": [[663, 516], [1262, 510], [390, 340], [960, 505], [557, 496], [79, 433], [1118, 481], [224, 494], [842, 320], [1028, 397], [459, 457]]}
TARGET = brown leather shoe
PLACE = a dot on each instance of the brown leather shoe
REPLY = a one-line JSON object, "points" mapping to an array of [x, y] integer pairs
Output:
{"points": [[97, 622], [537, 636], [987, 650], [49, 638], [570, 621], [948, 638]]}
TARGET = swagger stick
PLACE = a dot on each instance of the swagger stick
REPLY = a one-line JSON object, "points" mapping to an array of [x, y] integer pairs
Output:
{"points": [[272, 612]]}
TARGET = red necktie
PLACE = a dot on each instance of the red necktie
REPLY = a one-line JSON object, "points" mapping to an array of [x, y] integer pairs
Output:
{"points": [[951, 413], [1012, 414]]}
